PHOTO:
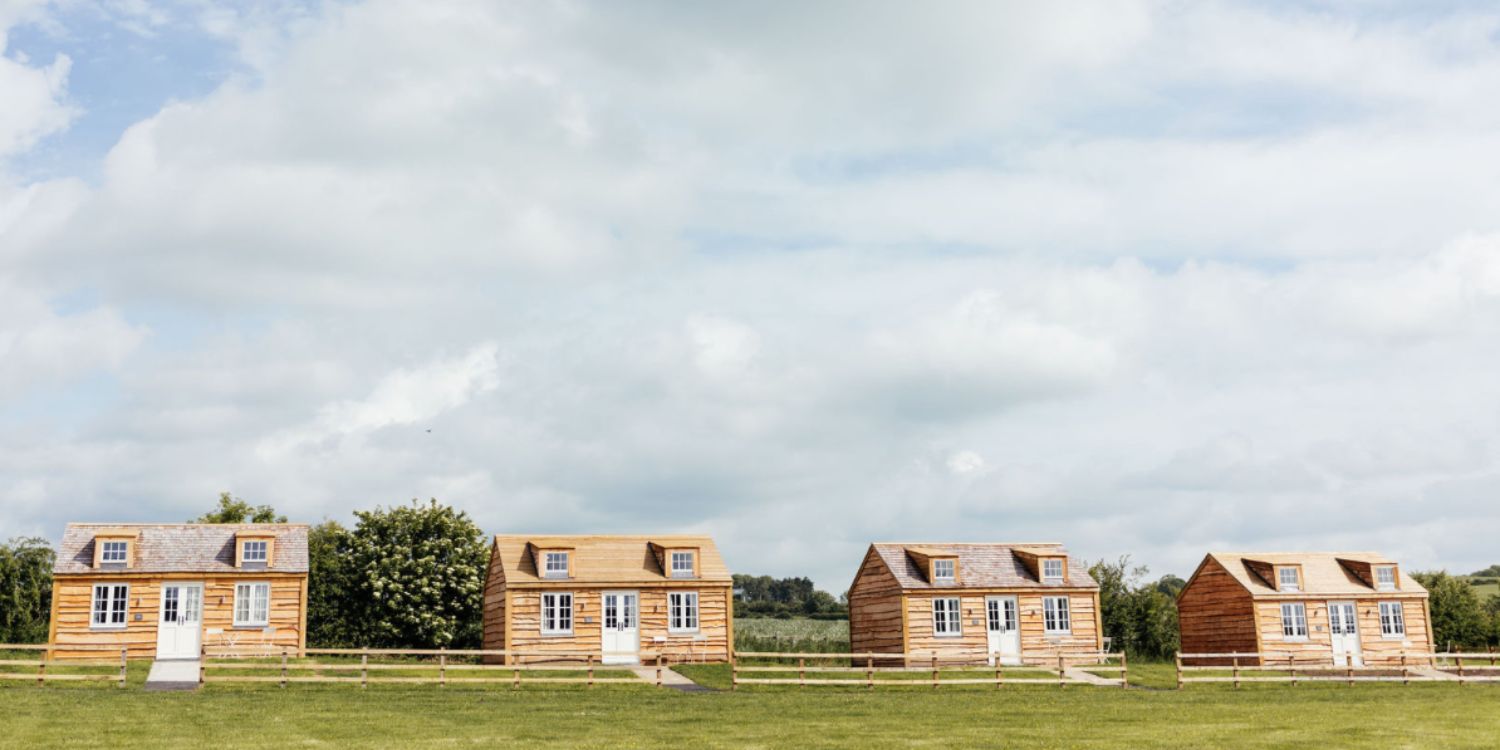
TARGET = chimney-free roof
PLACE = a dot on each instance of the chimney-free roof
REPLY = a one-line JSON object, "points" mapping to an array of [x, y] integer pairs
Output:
{"points": [[179, 547]]}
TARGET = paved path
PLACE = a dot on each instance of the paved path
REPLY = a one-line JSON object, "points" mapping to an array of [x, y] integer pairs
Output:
{"points": [[174, 674], [671, 679], [1074, 673]]}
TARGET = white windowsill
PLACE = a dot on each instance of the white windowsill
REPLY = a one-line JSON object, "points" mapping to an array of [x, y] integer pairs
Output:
{"points": [[107, 628], [1294, 638]]}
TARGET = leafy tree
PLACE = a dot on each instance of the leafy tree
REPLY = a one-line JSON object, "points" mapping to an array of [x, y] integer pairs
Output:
{"points": [[1457, 618], [329, 588], [411, 576], [1170, 585], [1138, 618], [764, 596], [234, 510], [1492, 571], [25, 590]]}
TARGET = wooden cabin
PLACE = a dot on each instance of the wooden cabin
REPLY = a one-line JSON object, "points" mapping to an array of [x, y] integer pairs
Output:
{"points": [[1330, 608], [1015, 603], [616, 599], [163, 591]]}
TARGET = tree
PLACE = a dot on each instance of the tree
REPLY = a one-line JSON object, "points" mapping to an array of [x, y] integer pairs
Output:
{"points": [[1492, 571], [328, 587], [412, 577], [1138, 618], [234, 510], [25, 590], [1457, 618]]}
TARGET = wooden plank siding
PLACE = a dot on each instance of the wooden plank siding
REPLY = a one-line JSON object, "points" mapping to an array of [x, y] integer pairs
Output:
{"points": [[1215, 614], [875, 609], [1318, 645], [711, 642], [73, 595], [1035, 641]]}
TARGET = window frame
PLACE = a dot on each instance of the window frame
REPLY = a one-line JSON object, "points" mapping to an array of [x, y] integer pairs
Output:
{"points": [[558, 613], [947, 620], [567, 564], [111, 600], [1296, 584], [1057, 620], [1062, 570], [1396, 620], [251, 621], [1294, 614], [265, 551], [692, 561], [1382, 585], [679, 611], [938, 579], [104, 551]]}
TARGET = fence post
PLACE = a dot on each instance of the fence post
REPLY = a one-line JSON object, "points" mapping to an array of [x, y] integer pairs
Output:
{"points": [[202, 663], [658, 669], [443, 666], [1404, 679], [122, 667], [590, 659], [734, 671], [41, 671], [870, 672], [801, 671], [999, 673], [1236, 673], [934, 671], [1061, 676], [516, 679], [1179, 670], [1124, 671], [283, 667], [1291, 666], [1349, 670], [364, 668], [1460, 669]]}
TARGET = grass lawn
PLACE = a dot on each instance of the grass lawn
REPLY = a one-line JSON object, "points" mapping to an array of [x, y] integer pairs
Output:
{"points": [[1259, 716]]}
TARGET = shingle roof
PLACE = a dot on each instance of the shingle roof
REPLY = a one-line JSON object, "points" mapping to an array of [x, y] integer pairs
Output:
{"points": [[607, 559], [1322, 573], [981, 565], [180, 547]]}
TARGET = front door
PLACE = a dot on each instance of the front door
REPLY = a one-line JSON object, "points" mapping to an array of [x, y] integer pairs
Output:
{"points": [[179, 626], [1343, 625], [1003, 628], [621, 627]]}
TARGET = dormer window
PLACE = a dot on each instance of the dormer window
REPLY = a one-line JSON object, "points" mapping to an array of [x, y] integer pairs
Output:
{"points": [[683, 565], [1288, 579], [1052, 570], [254, 552], [555, 565], [113, 552], [1385, 577], [944, 572]]}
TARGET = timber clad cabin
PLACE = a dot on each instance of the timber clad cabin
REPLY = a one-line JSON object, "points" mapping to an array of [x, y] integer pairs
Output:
{"points": [[1332, 608], [1018, 603], [164, 591], [617, 599]]}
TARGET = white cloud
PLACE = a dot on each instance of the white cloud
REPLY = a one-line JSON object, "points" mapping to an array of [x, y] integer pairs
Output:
{"points": [[35, 95], [40, 346]]}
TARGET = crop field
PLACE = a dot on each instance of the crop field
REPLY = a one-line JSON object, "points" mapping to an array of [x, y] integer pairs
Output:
{"points": [[264, 716], [797, 634]]}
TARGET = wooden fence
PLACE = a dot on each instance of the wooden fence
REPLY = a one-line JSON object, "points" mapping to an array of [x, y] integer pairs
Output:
{"points": [[1283, 667], [433, 666], [42, 676], [959, 668]]}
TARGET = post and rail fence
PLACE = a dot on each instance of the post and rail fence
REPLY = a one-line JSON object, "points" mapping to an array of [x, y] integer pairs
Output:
{"points": [[413, 666], [1238, 668], [937, 669], [42, 676]]}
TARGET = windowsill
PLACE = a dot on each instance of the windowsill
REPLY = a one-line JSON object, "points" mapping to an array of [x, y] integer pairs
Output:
{"points": [[107, 628], [559, 634], [947, 635], [1294, 638], [248, 626], [683, 632]]}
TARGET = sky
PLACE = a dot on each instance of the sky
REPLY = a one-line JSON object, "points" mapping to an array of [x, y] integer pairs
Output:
{"points": [[1145, 278]]}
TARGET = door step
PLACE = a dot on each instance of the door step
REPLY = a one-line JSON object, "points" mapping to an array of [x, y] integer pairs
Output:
{"points": [[173, 674]]}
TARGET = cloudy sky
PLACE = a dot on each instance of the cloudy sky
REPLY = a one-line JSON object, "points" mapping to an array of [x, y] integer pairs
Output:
{"points": [[1145, 278]]}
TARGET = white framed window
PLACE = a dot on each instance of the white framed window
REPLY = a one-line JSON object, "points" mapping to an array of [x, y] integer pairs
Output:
{"points": [[1052, 570], [253, 552], [113, 552], [1294, 621], [557, 614], [1288, 579], [1055, 615], [682, 565], [1392, 620], [110, 604], [682, 612], [555, 565], [943, 571], [252, 605], [946, 621], [1385, 577]]}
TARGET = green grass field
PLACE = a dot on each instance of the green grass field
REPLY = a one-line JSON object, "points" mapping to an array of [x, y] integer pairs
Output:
{"points": [[1263, 716]]}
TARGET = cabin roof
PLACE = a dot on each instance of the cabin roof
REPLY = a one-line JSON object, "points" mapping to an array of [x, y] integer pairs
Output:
{"points": [[607, 559], [179, 547], [1322, 573], [980, 565]]}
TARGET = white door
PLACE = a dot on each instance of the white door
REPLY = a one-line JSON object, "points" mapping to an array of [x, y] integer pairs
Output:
{"points": [[1003, 629], [621, 627], [1343, 626], [179, 626]]}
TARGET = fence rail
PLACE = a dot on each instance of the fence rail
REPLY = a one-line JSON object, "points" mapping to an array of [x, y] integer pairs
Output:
{"points": [[957, 665], [1293, 668], [42, 676], [283, 667]]}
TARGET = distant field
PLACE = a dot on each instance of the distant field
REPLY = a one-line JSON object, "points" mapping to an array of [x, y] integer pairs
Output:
{"points": [[798, 634], [1486, 589]]}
